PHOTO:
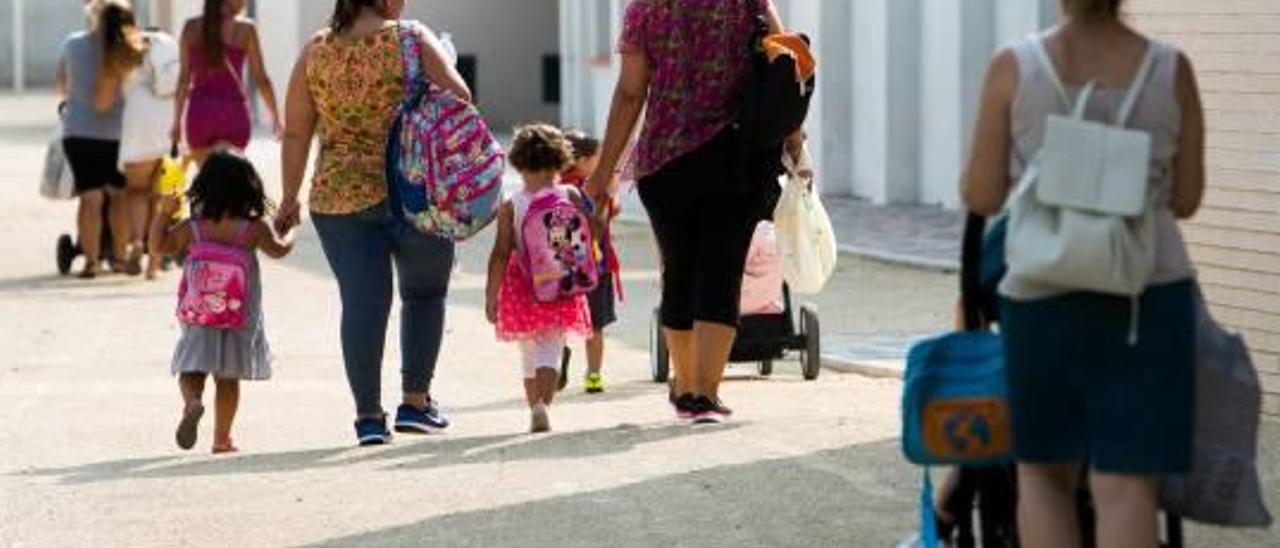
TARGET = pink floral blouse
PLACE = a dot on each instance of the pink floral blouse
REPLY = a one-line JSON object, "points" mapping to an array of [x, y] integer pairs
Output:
{"points": [[699, 57]]}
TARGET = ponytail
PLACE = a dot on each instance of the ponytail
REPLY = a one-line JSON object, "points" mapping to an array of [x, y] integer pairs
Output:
{"points": [[122, 47], [211, 32], [345, 13]]}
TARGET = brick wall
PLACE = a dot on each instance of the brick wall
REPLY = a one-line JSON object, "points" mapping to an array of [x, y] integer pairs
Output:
{"points": [[1235, 46]]}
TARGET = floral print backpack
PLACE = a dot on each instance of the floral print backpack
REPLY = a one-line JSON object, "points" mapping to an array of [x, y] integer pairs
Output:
{"points": [[558, 253], [444, 167], [214, 290]]}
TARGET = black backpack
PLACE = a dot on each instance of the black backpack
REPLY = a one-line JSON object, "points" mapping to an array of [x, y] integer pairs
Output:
{"points": [[774, 104]]}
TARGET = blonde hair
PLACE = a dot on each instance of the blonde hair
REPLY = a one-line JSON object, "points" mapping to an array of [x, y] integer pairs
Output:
{"points": [[1092, 9]]}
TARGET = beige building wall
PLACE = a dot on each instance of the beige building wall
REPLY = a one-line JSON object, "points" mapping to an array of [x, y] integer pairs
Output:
{"points": [[1235, 240]]}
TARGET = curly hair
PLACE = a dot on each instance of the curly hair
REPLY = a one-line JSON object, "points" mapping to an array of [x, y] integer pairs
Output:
{"points": [[584, 146], [540, 147], [228, 187]]}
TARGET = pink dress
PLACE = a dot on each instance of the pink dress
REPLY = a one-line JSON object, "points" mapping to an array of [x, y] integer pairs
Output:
{"points": [[520, 315], [218, 108]]}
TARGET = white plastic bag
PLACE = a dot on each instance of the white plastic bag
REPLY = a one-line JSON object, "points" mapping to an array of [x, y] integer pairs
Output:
{"points": [[56, 181], [805, 236]]}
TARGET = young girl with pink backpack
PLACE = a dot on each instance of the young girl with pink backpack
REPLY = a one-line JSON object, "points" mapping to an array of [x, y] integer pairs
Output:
{"points": [[220, 296], [542, 266]]}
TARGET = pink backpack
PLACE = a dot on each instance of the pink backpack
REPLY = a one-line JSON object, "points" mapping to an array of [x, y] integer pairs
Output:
{"points": [[215, 281], [443, 167], [557, 247]]}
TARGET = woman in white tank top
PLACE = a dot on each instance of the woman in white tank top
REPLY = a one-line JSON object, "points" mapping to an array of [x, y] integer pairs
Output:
{"points": [[1080, 395]]}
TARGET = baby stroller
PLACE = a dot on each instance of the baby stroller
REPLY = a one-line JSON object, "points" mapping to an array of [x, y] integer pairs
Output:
{"points": [[769, 325]]}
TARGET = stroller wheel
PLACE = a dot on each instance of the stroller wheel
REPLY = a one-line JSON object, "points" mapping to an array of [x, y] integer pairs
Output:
{"points": [[811, 356], [765, 368], [659, 357], [66, 252]]}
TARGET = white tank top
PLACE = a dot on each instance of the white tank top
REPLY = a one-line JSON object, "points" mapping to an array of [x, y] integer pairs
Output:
{"points": [[1157, 112]]}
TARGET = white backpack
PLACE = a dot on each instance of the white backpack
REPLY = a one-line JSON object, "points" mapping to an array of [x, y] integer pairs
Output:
{"points": [[1083, 215], [164, 62]]}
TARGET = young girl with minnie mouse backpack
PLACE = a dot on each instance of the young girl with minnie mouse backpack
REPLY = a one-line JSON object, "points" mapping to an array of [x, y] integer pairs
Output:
{"points": [[542, 266]]}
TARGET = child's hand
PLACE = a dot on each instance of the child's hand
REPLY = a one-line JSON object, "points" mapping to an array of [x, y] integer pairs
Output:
{"points": [[491, 310], [169, 205]]}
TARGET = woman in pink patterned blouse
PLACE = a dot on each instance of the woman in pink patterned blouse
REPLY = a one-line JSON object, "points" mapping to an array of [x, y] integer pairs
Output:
{"points": [[686, 63]]}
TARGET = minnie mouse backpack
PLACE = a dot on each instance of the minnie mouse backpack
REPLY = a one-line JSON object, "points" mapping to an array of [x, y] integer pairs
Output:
{"points": [[443, 167], [557, 248], [215, 281]]}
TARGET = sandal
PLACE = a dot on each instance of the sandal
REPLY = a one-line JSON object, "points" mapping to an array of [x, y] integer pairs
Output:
{"points": [[225, 447], [90, 272], [189, 427], [133, 260]]}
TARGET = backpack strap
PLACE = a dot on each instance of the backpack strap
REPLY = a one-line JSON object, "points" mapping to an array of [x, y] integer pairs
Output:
{"points": [[244, 234], [1046, 62], [1139, 84], [411, 52], [197, 233], [1131, 97]]}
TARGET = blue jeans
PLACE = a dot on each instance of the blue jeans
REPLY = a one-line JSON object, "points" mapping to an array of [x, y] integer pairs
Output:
{"points": [[361, 249]]}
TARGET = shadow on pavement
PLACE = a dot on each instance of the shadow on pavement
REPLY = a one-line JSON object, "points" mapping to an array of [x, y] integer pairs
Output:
{"points": [[430, 452], [860, 495], [843, 497], [571, 396]]}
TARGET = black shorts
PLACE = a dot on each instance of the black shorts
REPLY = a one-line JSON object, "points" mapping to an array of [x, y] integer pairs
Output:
{"points": [[601, 302], [704, 210], [93, 163]]}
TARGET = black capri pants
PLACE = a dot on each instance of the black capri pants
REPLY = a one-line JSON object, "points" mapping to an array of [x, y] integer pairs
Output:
{"points": [[703, 215]]}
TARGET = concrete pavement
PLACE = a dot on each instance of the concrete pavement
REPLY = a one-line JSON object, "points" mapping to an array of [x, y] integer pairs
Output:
{"points": [[87, 410]]}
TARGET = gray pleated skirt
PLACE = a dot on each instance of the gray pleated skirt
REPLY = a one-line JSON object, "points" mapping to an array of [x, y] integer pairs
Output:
{"points": [[228, 353]]}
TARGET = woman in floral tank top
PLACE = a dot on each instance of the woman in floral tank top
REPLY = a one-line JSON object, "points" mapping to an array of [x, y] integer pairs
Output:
{"points": [[685, 63], [346, 88]]}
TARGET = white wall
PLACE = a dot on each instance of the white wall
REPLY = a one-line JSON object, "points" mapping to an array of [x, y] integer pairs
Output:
{"points": [[956, 43], [509, 40], [898, 81]]}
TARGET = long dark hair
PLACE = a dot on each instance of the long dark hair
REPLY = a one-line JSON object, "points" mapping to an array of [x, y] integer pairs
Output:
{"points": [[228, 187], [211, 31], [122, 46], [345, 13]]}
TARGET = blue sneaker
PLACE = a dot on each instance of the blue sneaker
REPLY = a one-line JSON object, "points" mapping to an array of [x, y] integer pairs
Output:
{"points": [[372, 432], [412, 420]]}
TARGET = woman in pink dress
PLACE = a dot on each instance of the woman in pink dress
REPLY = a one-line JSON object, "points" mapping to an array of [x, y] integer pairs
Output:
{"points": [[213, 103]]}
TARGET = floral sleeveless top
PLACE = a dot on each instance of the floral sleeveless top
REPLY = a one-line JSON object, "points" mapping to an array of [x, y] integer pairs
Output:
{"points": [[357, 88], [699, 60]]}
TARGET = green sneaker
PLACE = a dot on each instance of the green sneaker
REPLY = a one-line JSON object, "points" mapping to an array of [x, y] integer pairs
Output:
{"points": [[594, 383]]}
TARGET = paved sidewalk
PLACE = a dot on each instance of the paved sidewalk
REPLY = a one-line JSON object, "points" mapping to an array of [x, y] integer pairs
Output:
{"points": [[920, 236], [87, 410]]}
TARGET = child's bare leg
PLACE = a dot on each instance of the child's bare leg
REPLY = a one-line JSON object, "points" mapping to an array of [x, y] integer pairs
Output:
{"points": [[595, 352], [532, 393], [226, 404], [548, 381], [192, 387]]}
